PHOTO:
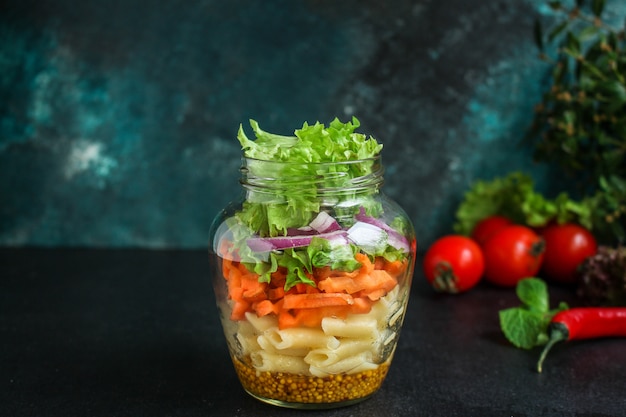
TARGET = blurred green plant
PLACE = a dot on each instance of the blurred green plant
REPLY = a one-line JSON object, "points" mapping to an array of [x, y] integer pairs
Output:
{"points": [[580, 123]]}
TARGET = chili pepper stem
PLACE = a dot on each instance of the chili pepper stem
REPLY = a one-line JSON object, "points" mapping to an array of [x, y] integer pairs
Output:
{"points": [[557, 334]]}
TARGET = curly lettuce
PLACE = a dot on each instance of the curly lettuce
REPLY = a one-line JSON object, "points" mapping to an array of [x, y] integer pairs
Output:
{"points": [[514, 196], [298, 168]]}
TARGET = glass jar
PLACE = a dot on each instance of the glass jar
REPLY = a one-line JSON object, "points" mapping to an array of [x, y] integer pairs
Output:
{"points": [[312, 273]]}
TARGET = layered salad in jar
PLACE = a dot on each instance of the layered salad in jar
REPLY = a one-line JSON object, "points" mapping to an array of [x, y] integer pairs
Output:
{"points": [[315, 267]]}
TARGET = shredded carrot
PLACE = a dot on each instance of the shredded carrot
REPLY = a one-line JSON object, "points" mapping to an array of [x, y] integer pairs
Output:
{"points": [[336, 293], [264, 307], [276, 293], [376, 294], [396, 268], [378, 278], [364, 260], [362, 305], [287, 320], [316, 300], [339, 284], [312, 317], [253, 290], [379, 263], [240, 308]]}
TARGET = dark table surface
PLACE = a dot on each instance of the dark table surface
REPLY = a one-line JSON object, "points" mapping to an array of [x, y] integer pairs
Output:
{"points": [[136, 333]]}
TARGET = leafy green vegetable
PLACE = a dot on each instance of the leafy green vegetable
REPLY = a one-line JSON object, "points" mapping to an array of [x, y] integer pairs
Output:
{"points": [[291, 172], [317, 143], [580, 123], [340, 256], [515, 197], [526, 326], [288, 178]]}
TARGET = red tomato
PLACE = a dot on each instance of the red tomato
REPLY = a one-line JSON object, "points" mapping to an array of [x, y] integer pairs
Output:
{"points": [[488, 226], [513, 253], [454, 264], [567, 245]]}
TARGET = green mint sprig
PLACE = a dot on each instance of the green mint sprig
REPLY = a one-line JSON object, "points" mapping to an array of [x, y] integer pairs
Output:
{"points": [[526, 326]]}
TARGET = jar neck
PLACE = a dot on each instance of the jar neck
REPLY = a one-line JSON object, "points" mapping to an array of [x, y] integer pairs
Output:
{"points": [[316, 178]]}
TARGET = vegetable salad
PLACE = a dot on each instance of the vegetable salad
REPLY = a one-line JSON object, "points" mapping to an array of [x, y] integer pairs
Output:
{"points": [[316, 263]]}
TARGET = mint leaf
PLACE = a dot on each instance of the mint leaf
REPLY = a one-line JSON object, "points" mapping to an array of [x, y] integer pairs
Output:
{"points": [[521, 327], [526, 326], [533, 293]]}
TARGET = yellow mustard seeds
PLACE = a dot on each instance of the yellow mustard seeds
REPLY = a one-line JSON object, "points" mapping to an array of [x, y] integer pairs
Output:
{"points": [[290, 388]]}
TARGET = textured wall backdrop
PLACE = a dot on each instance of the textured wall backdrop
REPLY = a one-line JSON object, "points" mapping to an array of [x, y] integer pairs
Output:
{"points": [[118, 118]]}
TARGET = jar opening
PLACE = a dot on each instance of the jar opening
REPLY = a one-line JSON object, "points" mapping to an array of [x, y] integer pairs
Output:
{"points": [[319, 177]]}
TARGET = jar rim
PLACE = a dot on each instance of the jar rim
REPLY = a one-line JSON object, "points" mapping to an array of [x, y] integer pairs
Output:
{"points": [[330, 176], [375, 158]]}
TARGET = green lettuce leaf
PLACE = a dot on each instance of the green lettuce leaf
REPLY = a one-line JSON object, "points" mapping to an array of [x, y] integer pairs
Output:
{"points": [[298, 177], [338, 256], [514, 196], [291, 174]]}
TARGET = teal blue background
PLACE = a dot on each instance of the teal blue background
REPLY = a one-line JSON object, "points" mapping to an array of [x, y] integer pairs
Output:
{"points": [[118, 119]]}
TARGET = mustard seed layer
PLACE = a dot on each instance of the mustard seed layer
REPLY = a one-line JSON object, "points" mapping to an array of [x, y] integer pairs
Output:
{"points": [[292, 388]]}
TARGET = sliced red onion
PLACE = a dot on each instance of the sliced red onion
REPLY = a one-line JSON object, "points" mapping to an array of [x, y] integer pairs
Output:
{"points": [[305, 230], [266, 244], [395, 239], [398, 241], [324, 223], [367, 236]]}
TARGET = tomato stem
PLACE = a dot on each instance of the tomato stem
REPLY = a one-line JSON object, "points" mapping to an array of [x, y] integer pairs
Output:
{"points": [[558, 333], [445, 279], [538, 248]]}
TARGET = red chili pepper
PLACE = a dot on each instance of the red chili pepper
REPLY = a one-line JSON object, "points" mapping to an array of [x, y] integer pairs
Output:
{"points": [[585, 323]]}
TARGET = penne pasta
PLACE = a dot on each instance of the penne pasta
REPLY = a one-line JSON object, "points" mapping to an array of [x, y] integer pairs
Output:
{"points": [[248, 343], [300, 338], [360, 326], [261, 324], [321, 357], [246, 329], [265, 361], [265, 344], [340, 346], [345, 366], [365, 366]]}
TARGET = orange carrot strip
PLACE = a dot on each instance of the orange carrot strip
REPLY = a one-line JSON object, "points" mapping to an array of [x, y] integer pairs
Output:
{"points": [[286, 320], [364, 260], [379, 262], [339, 284], [376, 294], [235, 293], [396, 268], [264, 307], [253, 290], [384, 279], [376, 279], [322, 273], [316, 300], [312, 317], [240, 308], [276, 293], [311, 289], [362, 305], [301, 288]]}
